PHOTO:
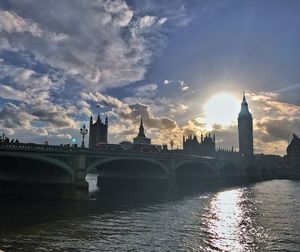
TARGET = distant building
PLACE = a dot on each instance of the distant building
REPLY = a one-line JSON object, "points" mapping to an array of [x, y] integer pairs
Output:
{"points": [[293, 151], [141, 137], [245, 128], [98, 132], [228, 154], [206, 146]]}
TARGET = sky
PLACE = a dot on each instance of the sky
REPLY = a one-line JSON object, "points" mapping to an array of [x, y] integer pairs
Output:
{"points": [[181, 65]]}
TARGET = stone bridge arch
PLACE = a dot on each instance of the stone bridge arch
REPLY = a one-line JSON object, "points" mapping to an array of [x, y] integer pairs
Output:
{"points": [[118, 173], [196, 162], [52, 161], [103, 161]]}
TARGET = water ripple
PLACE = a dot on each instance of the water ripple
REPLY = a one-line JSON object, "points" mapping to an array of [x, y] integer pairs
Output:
{"points": [[261, 217]]}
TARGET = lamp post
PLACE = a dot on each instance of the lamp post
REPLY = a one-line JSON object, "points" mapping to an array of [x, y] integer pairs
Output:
{"points": [[172, 144], [83, 132]]}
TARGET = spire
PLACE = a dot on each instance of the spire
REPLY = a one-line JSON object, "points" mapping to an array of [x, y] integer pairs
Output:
{"points": [[91, 119], [244, 107], [98, 117], [141, 130], [244, 102]]}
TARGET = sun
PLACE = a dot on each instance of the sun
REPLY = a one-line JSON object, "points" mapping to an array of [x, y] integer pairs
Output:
{"points": [[221, 109]]}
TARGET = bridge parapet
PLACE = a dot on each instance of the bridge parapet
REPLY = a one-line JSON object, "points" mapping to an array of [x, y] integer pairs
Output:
{"points": [[96, 152], [35, 147]]}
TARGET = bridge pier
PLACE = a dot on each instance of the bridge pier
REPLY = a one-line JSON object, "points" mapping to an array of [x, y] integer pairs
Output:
{"points": [[76, 191], [80, 187]]}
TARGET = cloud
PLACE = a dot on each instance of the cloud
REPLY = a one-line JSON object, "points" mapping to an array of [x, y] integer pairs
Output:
{"points": [[148, 90], [33, 90], [147, 21], [174, 11], [108, 46], [105, 100], [31, 104], [182, 85], [10, 93], [108, 57], [12, 116], [181, 108], [26, 84], [10, 22]]}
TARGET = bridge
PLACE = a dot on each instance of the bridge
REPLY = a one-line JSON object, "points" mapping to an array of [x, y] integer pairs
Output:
{"points": [[60, 172]]}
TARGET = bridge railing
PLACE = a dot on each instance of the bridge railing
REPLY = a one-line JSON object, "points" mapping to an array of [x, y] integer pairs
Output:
{"points": [[33, 146], [66, 148]]}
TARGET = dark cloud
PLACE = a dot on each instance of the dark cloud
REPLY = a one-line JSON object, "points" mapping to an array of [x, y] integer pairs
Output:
{"points": [[278, 129]]}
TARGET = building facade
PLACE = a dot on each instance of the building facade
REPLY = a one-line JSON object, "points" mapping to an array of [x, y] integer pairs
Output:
{"points": [[245, 128], [141, 137], [293, 151], [98, 132], [227, 154], [206, 146]]}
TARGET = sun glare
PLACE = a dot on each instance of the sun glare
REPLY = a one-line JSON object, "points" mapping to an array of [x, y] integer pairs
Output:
{"points": [[221, 109]]}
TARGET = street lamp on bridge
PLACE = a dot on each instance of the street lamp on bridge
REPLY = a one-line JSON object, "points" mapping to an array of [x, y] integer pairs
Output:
{"points": [[83, 132]]}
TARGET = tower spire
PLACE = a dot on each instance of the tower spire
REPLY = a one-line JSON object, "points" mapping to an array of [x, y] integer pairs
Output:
{"points": [[244, 107], [244, 102], [141, 130], [98, 117]]}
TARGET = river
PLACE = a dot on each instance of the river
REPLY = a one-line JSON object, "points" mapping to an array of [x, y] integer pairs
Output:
{"points": [[259, 217]]}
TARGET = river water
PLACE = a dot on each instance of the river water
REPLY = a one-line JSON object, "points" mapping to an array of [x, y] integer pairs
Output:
{"points": [[260, 217]]}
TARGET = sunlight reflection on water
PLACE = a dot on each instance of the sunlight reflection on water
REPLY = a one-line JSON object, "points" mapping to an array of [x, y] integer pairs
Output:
{"points": [[231, 223], [226, 216]]}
